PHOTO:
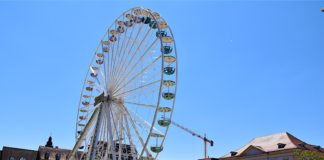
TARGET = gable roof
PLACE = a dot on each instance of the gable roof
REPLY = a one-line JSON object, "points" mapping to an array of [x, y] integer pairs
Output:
{"points": [[270, 143], [256, 149]]}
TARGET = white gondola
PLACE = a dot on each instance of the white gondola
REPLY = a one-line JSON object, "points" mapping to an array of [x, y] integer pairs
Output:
{"points": [[169, 59]]}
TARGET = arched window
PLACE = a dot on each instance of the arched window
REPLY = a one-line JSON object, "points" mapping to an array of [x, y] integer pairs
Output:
{"points": [[47, 155], [57, 156]]}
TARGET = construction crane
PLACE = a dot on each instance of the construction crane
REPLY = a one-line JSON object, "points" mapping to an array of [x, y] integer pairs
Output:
{"points": [[206, 140]]}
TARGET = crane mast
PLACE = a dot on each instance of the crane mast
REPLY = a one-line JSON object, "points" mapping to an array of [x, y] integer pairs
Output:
{"points": [[204, 138]]}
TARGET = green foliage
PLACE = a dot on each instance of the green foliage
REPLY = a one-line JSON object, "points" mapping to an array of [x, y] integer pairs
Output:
{"points": [[308, 155]]}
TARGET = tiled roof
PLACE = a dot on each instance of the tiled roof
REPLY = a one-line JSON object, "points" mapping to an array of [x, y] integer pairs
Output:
{"points": [[270, 143]]}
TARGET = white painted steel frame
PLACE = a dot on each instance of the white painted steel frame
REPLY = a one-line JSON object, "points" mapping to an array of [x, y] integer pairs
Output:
{"points": [[111, 68]]}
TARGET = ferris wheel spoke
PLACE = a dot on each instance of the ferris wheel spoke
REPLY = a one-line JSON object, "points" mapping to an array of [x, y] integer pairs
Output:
{"points": [[98, 87], [142, 94], [124, 34], [144, 89], [114, 121], [141, 46], [104, 74], [107, 64], [111, 60], [114, 117], [139, 60], [116, 53], [120, 53], [113, 50], [138, 33], [138, 74], [138, 48], [128, 70], [119, 133], [125, 59], [142, 105], [125, 49], [129, 136], [138, 88], [97, 84], [145, 125], [136, 131], [131, 79]]}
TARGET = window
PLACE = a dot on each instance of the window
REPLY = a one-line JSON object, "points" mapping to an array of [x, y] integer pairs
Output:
{"points": [[281, 145], [12, 158], [47, 155], [233, 153], [22, 158], [57, 156]]}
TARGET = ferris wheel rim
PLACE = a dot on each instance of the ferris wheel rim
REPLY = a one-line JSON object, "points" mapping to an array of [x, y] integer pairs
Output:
{"points": [[160, 83]]}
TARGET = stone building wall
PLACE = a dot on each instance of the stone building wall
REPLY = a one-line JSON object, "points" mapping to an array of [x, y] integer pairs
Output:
{"points": [[9, 153]]}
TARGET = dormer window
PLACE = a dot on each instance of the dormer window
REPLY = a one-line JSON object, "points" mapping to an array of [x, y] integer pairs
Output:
{"points": [[302, 145], [318, 148], [233, 153], [281, 145]]}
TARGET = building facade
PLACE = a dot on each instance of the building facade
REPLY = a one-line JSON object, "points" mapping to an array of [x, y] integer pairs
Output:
{"points": [[47, 152], [281, 146]]}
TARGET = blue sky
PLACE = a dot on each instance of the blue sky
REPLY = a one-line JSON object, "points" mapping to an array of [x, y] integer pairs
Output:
{"points": [[246, 69]]}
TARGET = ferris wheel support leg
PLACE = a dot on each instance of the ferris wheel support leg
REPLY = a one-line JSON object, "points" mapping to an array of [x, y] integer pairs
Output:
{"points": [[130, 137], [93, 147], [136, 131], [120, 138], [109, 121], [83, 134]]}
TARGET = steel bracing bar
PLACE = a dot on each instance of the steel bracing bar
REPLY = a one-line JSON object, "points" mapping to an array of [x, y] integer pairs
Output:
{"points": [[84, 133]]}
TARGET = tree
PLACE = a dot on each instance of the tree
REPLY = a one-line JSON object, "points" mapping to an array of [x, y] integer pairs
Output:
{"points": [[308, 155]]}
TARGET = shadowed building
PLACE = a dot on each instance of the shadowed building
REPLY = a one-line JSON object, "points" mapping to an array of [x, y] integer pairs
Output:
{"points": [[47, 152], [10, 153], [281, 146]]}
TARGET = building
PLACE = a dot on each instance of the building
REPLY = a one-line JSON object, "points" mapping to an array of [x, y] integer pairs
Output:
{"points": [[10, 153], [281, 146], [47, 152]]}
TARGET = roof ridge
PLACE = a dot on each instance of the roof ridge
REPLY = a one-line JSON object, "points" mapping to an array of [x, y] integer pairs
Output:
{"points": [[293, 140], [271, 135], [17, 148]]}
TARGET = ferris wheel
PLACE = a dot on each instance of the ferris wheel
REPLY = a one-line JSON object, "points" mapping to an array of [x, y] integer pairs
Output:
{"points": [[129, 92]]}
